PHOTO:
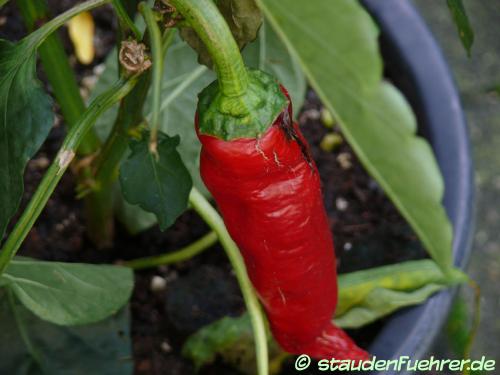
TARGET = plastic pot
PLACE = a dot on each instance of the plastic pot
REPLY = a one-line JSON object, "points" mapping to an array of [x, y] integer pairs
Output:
{"points": [[415, 64]]}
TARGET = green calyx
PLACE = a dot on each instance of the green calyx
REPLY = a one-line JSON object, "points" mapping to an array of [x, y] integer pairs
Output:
{"points": [[248, 115]]}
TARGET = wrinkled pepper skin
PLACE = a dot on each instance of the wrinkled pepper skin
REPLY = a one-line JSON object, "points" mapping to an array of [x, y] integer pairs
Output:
{"points": [[269, 194]]}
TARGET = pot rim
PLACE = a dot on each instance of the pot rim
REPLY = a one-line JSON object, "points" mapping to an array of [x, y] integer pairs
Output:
{"points": [[426, 80]]}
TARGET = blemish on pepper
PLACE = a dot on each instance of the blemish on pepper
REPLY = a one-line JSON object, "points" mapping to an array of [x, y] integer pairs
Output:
{"points": [[276, 160], [259, 150]]}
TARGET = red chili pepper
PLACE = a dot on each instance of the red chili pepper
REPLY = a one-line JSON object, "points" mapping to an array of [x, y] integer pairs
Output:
{"points": [[268, 191]]}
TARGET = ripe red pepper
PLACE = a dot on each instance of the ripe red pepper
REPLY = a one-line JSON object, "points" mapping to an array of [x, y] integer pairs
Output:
{"points": [[269, 194]]}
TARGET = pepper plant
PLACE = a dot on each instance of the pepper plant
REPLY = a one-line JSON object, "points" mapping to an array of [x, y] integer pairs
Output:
{"points": [[134, 152]]}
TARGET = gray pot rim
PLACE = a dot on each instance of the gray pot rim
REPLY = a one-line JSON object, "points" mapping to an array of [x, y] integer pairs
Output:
{"points": [[420, 71]]}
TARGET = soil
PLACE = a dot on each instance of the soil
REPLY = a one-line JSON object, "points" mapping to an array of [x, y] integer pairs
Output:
{"points": [[368, 232]]}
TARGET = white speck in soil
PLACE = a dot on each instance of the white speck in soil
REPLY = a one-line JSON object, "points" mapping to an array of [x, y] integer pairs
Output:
{"points": [[310, 114], [165, 347], [347, 246], [40, 163], [344, 160], [341, 204], [158, 284]]}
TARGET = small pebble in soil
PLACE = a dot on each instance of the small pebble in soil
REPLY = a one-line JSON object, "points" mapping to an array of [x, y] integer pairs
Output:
{"points": [[158, 284], [347, 246], [40, 163], [344, 160], [84, 92], [341, 204], [99, 69], [165, 347], [327, 118], [310, 114], [88, 82], [331, 142]]}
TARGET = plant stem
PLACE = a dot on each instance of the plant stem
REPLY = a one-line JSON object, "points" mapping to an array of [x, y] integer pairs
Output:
{"points": [[126, 22], [180, 255], [37, 37], [98, 207], [166, 40], [156, 48], [58, 71], [204, 17], [213, 219], [58, 167], [129, 115]]}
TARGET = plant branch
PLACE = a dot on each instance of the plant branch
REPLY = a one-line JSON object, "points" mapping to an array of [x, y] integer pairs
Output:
{"points": [[157, 50], [98, 205], [167, 39], [180, 255], [58, 167], [38, 37], [129, 116], [213, 219], [126, 22], [58, 71]]}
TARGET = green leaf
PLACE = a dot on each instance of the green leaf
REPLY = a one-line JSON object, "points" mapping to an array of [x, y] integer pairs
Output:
{"points": [[183, 79], [463, 322], [355, 287], [219, 338], [380, 302], [157, 183], [270, 55], [49, 349], [3, 2], [458, 325], [461, 20], [336, 43], [232, 339], [242, 16], [364, 296], [25, 121], [69, 293]]}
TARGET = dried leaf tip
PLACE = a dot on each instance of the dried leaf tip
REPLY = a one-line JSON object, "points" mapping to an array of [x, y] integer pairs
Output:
{"points": [[133, 57]]}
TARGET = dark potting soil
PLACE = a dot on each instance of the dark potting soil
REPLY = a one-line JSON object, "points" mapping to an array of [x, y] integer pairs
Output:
{"points": [[368, 232]]}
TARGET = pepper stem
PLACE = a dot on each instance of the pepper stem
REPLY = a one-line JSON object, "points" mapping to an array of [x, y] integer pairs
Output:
{"points": [[242, 103], [206, 20]]}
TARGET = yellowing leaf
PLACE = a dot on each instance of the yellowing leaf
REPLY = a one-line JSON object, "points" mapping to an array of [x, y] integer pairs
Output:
{"points": [[81, 32]]}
